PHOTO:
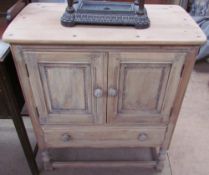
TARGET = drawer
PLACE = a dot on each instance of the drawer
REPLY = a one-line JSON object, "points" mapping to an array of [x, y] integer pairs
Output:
{"points": [[104, 136]]}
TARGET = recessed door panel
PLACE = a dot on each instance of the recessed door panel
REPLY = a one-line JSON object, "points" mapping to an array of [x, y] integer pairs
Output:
{"points": [[67, 87], [63, 85], [137, 92], [144, 84]]}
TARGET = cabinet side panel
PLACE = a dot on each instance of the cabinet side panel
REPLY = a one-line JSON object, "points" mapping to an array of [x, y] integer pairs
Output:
{"points": [[188, 66], [27, 92]]}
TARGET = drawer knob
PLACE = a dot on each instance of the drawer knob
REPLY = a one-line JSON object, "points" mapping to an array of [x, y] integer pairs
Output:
{"points": [[142, 137], [112, 92], [66, 137], [98, 92]]}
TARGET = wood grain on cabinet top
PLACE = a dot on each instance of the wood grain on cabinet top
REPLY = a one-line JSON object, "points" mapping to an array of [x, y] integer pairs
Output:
{"points": [[39, 23]]}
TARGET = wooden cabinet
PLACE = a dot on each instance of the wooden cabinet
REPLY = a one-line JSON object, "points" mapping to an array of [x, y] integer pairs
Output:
{"points": [[104, 87], [102, 97]]}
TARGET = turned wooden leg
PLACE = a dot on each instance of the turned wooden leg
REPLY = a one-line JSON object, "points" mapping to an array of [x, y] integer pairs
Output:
{"points": [[161, 158], [46, 160]]}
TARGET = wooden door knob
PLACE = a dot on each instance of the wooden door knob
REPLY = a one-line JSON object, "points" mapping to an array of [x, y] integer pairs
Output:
{"points": [[142, 137], [66, 137], [112, 92], [98, 92]]}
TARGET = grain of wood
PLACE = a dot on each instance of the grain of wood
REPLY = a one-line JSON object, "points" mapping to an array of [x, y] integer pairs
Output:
{"points": [[39, 23]]}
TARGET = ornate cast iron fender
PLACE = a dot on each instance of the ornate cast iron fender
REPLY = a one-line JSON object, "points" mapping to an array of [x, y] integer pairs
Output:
{"points": [[105, 13]]}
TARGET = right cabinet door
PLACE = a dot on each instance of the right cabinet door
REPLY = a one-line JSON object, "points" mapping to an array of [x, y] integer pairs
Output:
{"points": [[142, 86]]}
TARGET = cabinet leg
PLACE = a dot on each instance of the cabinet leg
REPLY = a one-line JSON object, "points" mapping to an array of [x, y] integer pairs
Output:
{"points": [[46, 160], [161, 158]]}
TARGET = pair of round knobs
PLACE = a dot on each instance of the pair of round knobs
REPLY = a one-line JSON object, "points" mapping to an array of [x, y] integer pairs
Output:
{"points": [[99, 92]]}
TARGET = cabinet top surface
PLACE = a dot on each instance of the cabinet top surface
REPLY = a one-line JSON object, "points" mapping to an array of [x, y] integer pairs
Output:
{"points": [[39, 23]]}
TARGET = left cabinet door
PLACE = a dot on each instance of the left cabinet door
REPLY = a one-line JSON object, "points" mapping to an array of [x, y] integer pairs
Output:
{"points": [[68, 87]]}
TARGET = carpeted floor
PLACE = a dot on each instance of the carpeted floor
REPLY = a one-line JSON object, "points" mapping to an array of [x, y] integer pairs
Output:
{"points": [[189, 151]]}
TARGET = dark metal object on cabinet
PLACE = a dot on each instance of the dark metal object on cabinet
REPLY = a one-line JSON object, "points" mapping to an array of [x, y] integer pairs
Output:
{"points": [[106, 13], [11, 103]]}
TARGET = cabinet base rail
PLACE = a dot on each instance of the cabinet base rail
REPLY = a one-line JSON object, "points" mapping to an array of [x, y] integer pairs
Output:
{"points": [[156, 161], [104, 164]]}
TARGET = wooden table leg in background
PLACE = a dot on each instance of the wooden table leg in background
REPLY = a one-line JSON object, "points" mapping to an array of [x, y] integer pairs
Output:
{"points": [[12, 102], [23, 137]]}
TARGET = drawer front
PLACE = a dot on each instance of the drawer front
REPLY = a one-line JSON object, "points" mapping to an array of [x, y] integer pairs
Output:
{"points": [[104, 136]]}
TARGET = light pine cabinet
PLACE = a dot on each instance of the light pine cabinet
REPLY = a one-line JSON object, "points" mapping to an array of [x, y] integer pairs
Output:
{"points": [[104, 87], [103, 97]]}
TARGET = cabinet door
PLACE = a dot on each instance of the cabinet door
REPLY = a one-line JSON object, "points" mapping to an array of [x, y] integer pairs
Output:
{"points": [[142, 86], [68, 87]]}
